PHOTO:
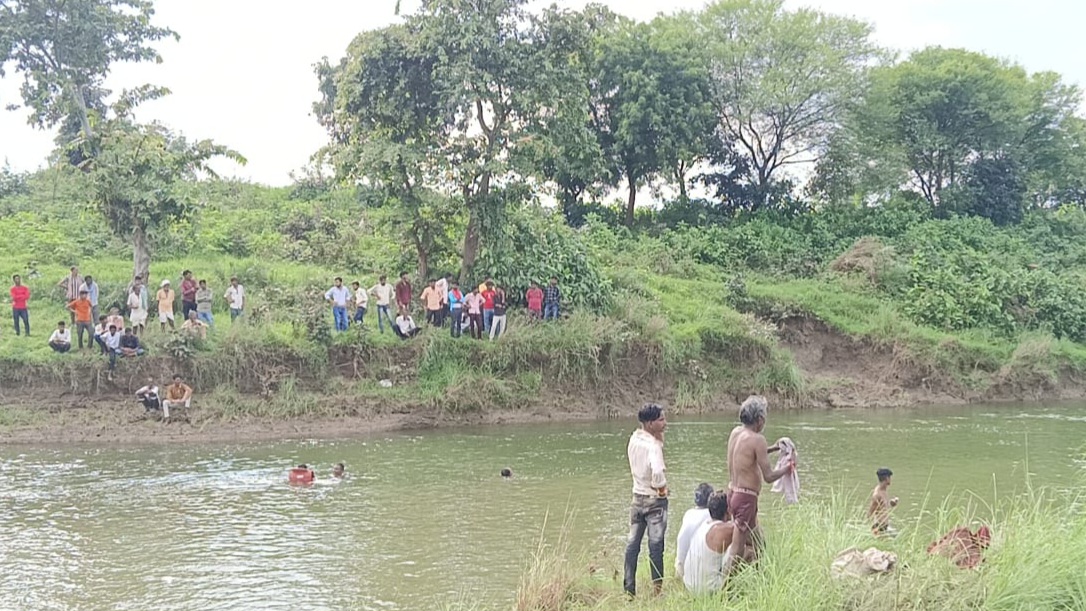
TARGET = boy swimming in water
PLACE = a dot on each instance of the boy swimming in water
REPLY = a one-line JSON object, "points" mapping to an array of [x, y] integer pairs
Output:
{"points": [[339, 470], [881, 503]]}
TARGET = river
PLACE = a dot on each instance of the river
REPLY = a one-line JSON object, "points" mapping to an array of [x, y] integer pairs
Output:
{"points": [[424, 520]]}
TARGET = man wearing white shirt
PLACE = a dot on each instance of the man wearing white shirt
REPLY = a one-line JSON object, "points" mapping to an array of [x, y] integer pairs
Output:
{"points": [[61, 339], [112, 343], [442, 287], [235, 298], [91, 287], [338, 296], [405, 326], [383, 292], [361, 302], [692, 521], [648, 510]]}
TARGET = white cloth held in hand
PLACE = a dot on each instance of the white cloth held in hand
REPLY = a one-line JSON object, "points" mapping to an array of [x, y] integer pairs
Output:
{"points": [[789, 484]]}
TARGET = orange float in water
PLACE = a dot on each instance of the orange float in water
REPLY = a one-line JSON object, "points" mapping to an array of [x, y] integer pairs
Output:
{"points": [[298, 475]]}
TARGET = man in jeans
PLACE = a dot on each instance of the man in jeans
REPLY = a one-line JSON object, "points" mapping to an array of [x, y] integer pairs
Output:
{"points": [[552, 297], [188, 294], [20, 294], [648, 511], [338, 296], [382, 291]]}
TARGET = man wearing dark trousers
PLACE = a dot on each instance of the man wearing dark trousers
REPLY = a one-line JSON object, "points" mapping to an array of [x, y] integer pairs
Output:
{"points": [[648, 511]]}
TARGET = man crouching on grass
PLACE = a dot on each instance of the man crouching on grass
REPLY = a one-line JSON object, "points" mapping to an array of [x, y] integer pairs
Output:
{"points": [[748, 466]]}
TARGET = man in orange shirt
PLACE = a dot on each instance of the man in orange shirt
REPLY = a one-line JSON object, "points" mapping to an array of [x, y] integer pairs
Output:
{"points": [[431, 298], [81, 310]]}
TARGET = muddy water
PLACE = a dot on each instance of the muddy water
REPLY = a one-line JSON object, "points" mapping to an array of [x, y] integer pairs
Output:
{"points": [[424, 520]]}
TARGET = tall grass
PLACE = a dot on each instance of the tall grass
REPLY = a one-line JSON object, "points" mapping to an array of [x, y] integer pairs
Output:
{"points": [[1036, 561]]}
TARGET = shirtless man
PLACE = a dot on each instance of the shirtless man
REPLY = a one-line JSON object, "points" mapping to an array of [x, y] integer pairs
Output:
{"points": [[704, 560], [881, 503], [748, 467]]}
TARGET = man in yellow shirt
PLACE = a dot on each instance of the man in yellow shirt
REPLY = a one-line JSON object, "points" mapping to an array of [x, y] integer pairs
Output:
{"points": [[194, 327], [165, 299]]}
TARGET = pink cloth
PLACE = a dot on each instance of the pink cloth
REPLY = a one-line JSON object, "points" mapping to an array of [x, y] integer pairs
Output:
{"points": [[789, 484]]}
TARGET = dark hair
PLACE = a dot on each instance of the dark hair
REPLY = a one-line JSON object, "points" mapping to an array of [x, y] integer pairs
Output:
{"points": [[355, 283], [113, 327], [402, 274], [554, 277], [702, 494], [383, 277], [16, 277], [341, 466], [128, 329], [177, 376], [883, 474], [60, 322], [87, 279], [338, 279], [101, 318], [203, 282], [186, 272], [650, 412], [718, 504], [303, 466], [507, 472]]}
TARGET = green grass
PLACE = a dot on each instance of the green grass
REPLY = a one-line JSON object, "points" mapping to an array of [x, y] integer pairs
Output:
{"points": [[1035, 562]]}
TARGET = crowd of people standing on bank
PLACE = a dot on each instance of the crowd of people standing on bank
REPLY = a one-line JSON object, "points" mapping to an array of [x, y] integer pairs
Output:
{"points": [[480, 310]]}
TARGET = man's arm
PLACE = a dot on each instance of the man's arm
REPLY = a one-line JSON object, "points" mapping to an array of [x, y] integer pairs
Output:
{"points": [[762, 455], [656, 465], [188, 392]]}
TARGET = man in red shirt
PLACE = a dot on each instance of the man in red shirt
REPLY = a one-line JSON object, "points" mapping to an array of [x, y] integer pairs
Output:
{"points": [[488, 306], [188, 294], [19, 296], [403, 294], [535, 302]]}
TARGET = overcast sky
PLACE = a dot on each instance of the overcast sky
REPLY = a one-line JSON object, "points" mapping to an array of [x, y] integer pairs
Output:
{"points": [[242, 72]]}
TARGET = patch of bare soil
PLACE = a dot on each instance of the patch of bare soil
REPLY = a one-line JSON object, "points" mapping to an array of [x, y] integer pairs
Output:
{"points": [[845, 372]]}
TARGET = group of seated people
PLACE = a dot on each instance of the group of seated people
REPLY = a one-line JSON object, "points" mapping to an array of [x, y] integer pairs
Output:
{"points": [[705, 534], [178, 394]]}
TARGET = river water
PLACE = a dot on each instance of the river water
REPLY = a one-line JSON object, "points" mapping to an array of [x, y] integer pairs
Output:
{"points": [[424, 521]]}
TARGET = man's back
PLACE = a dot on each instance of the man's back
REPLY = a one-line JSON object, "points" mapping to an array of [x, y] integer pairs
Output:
{"points": [[743, 449]]}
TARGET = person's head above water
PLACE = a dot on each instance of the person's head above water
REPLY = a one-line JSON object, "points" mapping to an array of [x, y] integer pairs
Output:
{"points": [[753, 411], [884, 475], [702, 494], [718, 504], [507, 472], [338, 469]]}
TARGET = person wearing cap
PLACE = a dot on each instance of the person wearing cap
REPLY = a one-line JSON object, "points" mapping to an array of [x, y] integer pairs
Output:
{"points": [[81, 311], [61, 339], [165, 299]]}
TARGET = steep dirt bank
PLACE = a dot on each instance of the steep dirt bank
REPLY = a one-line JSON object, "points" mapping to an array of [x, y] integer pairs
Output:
{"points": [[839, 372]]}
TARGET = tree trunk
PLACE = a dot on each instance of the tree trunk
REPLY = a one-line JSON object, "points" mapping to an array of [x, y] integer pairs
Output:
{"points": [[631, 200], [680, 177], [141, 255], [471, 245], [424, 258], [81, 106]]}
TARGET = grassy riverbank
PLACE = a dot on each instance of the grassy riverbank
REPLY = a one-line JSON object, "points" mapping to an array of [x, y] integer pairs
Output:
{"points": [[833, 308], [1035, 562]]}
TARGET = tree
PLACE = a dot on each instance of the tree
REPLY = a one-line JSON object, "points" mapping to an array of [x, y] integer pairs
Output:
{"points": [[947, 117], [486, 71], [781, 80], [137, 178], [64, 49], [649, 108]]}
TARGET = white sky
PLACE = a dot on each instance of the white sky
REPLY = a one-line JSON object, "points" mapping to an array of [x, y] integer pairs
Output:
{"points": [[242, 72]]}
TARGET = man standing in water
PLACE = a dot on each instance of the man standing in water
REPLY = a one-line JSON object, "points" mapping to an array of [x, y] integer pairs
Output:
{"points": [[648, 511], [881, 503], [748, 467]]}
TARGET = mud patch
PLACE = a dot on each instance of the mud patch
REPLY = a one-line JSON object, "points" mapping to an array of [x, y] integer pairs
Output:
{"points": [[844, 372]]}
